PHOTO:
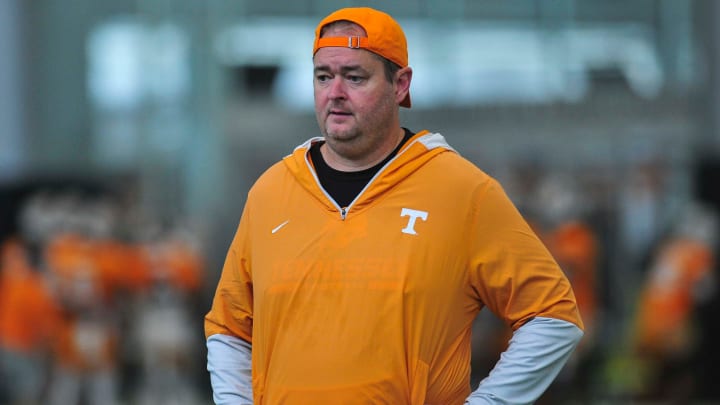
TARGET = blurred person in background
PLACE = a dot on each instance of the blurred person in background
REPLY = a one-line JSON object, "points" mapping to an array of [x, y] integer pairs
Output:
{"points": [[643, 214], [86, 346], [28, 321], [680, 278], [561, 221], [87, 267], [362, 259], [162, 321]]}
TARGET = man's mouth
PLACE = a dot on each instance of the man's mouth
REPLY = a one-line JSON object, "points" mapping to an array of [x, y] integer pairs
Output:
{"points": [[339, 112]]}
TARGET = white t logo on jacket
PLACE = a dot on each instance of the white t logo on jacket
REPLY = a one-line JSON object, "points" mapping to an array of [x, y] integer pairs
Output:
{"points": [[414, 215]]}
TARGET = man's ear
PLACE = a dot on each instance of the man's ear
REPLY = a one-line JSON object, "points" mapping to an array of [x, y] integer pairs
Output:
{"points": [[403, 77]]}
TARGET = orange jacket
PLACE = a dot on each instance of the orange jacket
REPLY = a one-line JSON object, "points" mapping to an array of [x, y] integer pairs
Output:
{"points": [[109, 264], [666, 302], [575, 247], [29, 314], [87, 273], [375, 303], [177, 263]]}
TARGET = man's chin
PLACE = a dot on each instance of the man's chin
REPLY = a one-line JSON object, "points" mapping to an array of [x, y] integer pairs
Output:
{"points": [[340, 134]]}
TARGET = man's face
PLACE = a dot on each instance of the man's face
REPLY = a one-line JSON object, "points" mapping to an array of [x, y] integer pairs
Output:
{"points": [[355, 104]]}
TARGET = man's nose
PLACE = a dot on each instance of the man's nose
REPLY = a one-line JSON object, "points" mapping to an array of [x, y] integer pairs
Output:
{"points": [[337, 88]]}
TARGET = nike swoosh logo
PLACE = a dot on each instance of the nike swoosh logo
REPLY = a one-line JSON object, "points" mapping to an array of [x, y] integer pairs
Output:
{"points": [[277, 228]]}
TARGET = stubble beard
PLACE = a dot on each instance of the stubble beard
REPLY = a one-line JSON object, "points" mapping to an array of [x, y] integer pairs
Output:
{"points": [[356, 142], [346, 142]]}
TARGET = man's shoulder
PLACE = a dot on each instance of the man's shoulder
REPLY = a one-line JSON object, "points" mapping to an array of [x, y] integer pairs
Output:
{"points": [[456, 166]]}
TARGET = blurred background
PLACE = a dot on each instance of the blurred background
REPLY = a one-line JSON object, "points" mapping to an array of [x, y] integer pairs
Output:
{"points": [[130, 132]]}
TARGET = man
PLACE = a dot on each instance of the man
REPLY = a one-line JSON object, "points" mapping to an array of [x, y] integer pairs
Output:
{"points": [[362, 259], [29, 315]]}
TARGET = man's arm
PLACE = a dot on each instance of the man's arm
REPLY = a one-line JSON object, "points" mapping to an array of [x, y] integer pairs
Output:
{"points": [[537, 352], [229, 364]]}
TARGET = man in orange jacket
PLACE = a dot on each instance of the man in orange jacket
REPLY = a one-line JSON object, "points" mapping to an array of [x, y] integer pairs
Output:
{"points": [[29, 318], [362, 258]]}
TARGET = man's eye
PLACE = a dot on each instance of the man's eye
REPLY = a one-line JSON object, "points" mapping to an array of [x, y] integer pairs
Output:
{"points": [[355, 79], [322, 78]]}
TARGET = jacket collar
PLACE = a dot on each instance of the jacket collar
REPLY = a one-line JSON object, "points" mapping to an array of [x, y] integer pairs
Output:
{"points": [[418, 150]]}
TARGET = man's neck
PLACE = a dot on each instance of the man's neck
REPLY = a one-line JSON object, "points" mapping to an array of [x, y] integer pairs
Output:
{"points": [[344, 186]]}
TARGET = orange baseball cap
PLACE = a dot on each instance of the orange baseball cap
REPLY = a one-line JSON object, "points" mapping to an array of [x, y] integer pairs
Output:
{"points": [[385, 37]]}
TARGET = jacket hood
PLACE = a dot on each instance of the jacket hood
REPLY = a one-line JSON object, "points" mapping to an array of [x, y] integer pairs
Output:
{"points": [[418, 150]]}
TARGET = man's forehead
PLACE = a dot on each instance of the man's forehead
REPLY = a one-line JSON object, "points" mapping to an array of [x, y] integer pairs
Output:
{"points": [[342, 68], [338, 56]]}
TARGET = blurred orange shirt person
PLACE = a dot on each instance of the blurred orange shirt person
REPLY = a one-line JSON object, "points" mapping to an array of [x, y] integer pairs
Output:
{"points": [[28, 311], [123, 266], [667, 301], [574, 246], [68, 255], [87, 337], [180, 264]]}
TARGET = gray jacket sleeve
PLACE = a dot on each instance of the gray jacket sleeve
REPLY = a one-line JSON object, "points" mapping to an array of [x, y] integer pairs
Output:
{"points": [[537, 352], [230, 367]]}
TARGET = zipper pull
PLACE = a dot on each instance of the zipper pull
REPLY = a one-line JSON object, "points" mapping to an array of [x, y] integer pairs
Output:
{"points": [[343, 213]]}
